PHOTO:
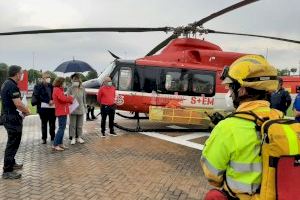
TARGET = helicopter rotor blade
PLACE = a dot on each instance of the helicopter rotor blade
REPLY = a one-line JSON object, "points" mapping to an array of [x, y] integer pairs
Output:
{"points": [[113, 55], [252, 35], [77, 30], [162, 44], [223, 11]]}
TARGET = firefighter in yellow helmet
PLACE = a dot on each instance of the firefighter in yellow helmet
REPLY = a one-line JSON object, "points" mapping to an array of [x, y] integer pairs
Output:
{"points": [[231, 158]]}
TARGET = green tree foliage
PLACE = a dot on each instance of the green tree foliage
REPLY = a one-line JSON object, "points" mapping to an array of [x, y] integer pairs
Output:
{"points": [[3, 73], [83, 78], [33, 75], [293, 70], [91, 75], [283, 72], [286, 72]]}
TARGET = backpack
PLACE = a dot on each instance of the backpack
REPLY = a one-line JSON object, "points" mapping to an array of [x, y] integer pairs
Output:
{"points": [[280, 150], [34, 99]]}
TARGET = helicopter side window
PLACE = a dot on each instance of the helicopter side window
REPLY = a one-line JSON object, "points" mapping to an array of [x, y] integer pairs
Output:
{"points": [[176, 82], [125, 78], [203, 84]]}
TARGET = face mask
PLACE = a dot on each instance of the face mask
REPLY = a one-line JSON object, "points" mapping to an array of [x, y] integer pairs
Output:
{"points": [[48, 80], [109, 83], [76, 84], [228, 99]]}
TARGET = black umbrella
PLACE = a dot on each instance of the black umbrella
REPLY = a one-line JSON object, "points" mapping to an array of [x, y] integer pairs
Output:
{"points": [[74, 66]]}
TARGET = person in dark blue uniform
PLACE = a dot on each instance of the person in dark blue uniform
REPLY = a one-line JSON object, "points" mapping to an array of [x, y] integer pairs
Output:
{"points": [[281, 99], [13, 113], [45, 107]]}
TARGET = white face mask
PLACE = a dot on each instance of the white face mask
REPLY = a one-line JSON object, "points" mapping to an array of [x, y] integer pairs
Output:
{"points": [[48, 80], [228, 99], [76, 84]]}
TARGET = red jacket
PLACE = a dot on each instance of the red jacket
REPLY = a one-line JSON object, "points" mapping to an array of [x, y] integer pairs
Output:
{"points": [[61, 101], [106, 95]]}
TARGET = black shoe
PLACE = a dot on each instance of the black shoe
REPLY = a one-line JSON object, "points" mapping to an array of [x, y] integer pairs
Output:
{"points": [[44, 141], [113, 134], [11, 175], [18, 166]]}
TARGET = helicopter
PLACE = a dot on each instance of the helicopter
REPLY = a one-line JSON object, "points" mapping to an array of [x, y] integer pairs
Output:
{"points": [[181, 68]]}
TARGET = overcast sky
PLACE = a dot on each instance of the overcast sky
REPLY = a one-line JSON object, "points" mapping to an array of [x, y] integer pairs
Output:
{"points": [[267, 17]]}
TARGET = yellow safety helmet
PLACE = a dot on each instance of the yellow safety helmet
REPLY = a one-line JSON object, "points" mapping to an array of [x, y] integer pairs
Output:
{"points": [[252, 71]]}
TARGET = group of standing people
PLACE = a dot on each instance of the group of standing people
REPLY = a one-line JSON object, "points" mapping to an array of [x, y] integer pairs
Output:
{"points": [[52, 102]]}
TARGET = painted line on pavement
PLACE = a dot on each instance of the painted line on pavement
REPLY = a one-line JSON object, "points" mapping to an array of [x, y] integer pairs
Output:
{"points": [[175, 140], [176, 127], [193, 136]]}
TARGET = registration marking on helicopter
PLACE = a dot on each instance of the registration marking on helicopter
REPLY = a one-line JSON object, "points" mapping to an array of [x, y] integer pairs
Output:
{"points": [[182, 140]]}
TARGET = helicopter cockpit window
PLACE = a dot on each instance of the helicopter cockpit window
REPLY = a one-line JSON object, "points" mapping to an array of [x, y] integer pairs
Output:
{"points": [[125, 78], [203, 84], [176, 82]]}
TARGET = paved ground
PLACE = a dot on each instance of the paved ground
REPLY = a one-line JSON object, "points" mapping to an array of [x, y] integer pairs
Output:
{"points": [[130, 166]]}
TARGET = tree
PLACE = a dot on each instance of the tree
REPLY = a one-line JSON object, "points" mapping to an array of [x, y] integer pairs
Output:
{"points": [[3, 73], [83, 78], [91, 75], [33, 75], [283, 72], [293, 70]]}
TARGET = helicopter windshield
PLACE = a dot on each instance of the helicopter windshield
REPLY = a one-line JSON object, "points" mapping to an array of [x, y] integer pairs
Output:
{"points": [[106, 72]]}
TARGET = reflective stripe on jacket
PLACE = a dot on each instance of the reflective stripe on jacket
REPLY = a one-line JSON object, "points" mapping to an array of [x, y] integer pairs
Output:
{"points": [[232, 151]]}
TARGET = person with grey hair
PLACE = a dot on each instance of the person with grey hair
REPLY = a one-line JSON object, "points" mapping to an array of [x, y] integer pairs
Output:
{"points": [[76, 117], [106, 98], [13, 113]]}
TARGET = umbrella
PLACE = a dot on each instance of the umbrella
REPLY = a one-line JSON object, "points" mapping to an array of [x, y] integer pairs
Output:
{"points": [[73, 66]]}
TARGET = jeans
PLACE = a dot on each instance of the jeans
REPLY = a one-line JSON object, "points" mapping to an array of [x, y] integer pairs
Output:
{"points": [[62, 122]]}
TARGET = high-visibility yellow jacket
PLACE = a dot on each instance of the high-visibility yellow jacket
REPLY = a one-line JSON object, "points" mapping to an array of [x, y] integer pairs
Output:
{"points": [[231, 156]]}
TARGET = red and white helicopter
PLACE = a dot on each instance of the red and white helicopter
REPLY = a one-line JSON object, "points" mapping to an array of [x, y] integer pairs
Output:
{"points": [[187, 69]]}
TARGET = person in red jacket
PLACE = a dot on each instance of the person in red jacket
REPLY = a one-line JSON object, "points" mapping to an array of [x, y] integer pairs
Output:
{"points": [[61, 102], [106, 98]]}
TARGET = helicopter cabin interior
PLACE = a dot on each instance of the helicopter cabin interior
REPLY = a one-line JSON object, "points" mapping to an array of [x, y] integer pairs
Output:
{"points": [[128, 76]]}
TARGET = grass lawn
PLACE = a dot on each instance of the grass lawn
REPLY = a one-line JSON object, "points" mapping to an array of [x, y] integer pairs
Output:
{"points": [[31, 108]]}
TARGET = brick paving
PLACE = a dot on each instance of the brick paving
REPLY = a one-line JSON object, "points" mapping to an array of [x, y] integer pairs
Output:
{"points": [[131, 166]]}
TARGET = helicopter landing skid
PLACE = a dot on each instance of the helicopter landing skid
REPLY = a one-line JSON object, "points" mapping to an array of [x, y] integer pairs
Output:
{"points": [[139, 129], [129, 117]]}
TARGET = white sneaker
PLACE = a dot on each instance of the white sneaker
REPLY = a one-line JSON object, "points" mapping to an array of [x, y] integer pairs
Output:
{"points": [[80, 140], [73, 141]]}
